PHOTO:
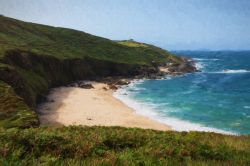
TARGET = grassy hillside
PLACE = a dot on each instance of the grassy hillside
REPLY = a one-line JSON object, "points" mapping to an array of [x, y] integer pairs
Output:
{"points": [[34, 58], [120, 146], [67, 43]]}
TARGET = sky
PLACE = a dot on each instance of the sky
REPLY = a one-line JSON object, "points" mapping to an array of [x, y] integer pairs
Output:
{"points": [[171, 24]]}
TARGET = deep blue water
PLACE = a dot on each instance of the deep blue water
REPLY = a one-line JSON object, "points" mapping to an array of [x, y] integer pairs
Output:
{"points": [[217, 98]]}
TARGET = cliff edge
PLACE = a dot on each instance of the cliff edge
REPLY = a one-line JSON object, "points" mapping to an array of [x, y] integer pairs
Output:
{"points": [[35, 58]]}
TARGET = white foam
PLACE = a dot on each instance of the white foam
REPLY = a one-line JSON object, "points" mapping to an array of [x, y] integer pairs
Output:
{"points": [[204, 59], [149, 111], [199, 65], [247, 107], [233, 71]]}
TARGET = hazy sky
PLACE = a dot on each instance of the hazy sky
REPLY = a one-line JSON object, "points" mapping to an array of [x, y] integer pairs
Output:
{"points": [[172, 24]]}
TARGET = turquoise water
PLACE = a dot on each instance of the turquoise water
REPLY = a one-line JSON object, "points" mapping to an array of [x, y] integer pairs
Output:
{"points": [[215, 99]]}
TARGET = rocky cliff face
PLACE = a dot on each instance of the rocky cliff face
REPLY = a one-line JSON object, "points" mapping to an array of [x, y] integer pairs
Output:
{"points": [[32, 75], [187, 66]]}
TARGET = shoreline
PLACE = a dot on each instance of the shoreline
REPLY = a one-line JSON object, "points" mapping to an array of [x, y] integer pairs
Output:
{"points": [[113, 108], [146, 110], [92, 106]]}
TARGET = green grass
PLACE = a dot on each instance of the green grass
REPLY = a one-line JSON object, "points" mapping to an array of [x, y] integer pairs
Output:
{"points": [[131, 43], [120, 146], [14, 112], [67, 43]]}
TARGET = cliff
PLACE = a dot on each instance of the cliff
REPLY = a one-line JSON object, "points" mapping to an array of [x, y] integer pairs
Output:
{"points": [[34, 58]]}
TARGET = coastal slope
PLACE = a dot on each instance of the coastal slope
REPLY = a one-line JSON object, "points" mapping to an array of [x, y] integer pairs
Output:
{"points": [[35, 58]]}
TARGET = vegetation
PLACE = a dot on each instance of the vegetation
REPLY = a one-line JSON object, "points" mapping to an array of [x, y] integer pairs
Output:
{"points": [[78, 145], [34, 58], [13, 110], [67, 43], [132, 43]]}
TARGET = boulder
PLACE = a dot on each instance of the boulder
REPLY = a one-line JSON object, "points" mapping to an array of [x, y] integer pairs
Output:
{"points": [[85, 86], [113, 87]]}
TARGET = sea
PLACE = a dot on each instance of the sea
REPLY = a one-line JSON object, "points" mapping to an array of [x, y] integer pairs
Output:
{"points": [[216, 99]]}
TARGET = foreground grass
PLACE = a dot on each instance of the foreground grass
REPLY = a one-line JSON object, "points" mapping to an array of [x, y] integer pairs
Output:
{"points": [[119, 146]]}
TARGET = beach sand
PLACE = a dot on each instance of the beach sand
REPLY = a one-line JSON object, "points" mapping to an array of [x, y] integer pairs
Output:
{"points": [[91, 107]]}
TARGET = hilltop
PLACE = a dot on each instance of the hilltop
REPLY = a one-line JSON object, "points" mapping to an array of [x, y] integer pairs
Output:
{"points": [[66, 43]]}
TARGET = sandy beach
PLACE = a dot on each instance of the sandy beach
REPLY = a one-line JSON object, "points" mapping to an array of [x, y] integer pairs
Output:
{"points": [[91, 107]]}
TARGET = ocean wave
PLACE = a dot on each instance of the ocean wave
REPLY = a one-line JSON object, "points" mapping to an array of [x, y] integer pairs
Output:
{"points": [[148, 110], [204, 59], [233, 71], [199, 65], [247, 107]]}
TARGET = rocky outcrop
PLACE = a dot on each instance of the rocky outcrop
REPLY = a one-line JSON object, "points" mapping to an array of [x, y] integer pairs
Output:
{"points": [[32, 75], [187, 66], [81, 84]]}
